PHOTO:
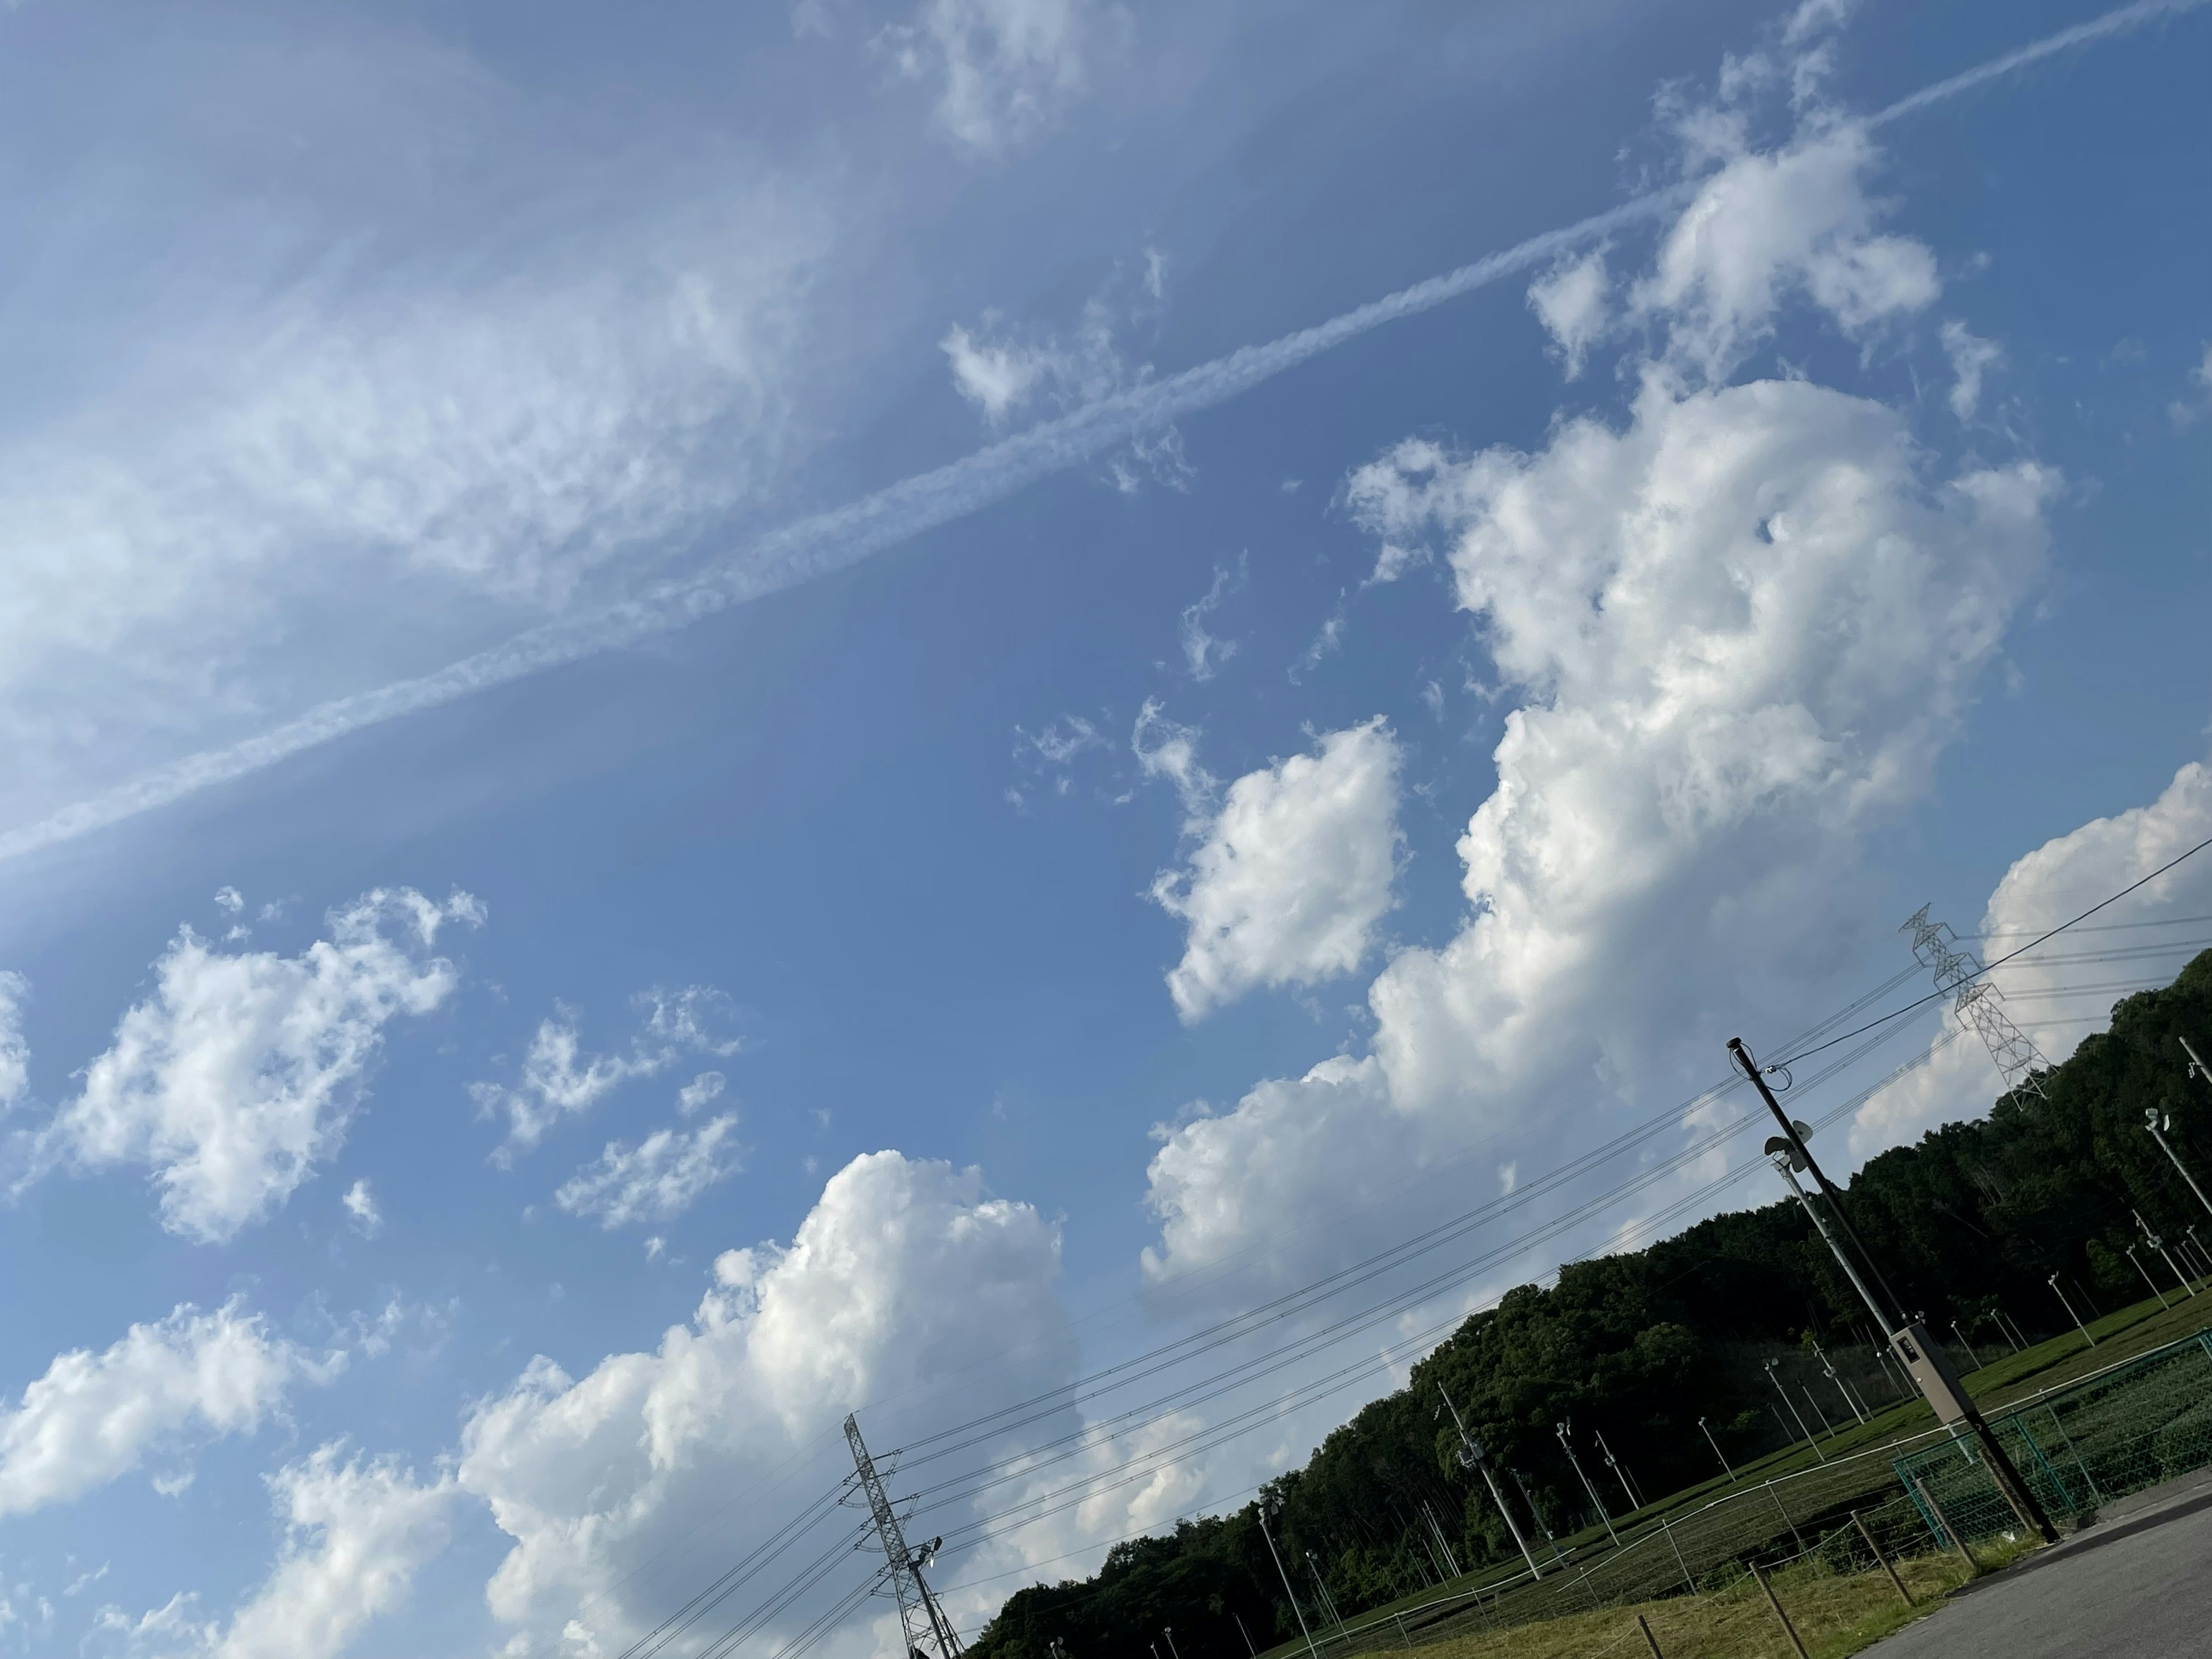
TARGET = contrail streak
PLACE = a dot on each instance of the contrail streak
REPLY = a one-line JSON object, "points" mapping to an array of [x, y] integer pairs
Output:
{"points": [[830, 541]]}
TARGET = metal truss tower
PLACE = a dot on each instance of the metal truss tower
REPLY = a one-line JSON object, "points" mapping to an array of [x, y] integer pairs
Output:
{"points": [[1935, 946], [921, 1619]]}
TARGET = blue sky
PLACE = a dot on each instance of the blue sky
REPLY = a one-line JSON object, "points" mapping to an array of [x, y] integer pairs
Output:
{"points": [[1127, 829]]}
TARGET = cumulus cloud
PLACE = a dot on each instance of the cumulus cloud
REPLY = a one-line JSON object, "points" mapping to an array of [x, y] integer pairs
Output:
{"points": [[238, 1077], [1005, 68], [2059, 880], [1971, 357], [163, 1389], [1291, 876], [1736, 628], [1573, 302], [903, 1275], [657, 1179], [561, 1080], [14, 1052], [357, 1529], [1769, 224]]}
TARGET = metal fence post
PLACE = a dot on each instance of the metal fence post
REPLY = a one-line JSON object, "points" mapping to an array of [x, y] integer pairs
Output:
{"points": [[1958, 1538], [1649, 1640], [1859, 1521]]}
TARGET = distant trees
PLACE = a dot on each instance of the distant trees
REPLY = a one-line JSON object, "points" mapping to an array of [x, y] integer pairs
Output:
{"points": [[1640, 1346]]}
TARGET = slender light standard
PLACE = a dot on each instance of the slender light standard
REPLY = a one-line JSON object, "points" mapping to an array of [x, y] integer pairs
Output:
{"points": [[1471, 1456], [2075, 1317], [1727, 1466], [1560, 1429], [1168, 1631], [1328, 1601], [1921, 1357], [2158, 1123], [1829, 1366], [1967, 1346], [1312, 1651], [1793, 1411], [2159, 1244], [1619, 1473], [2147, 1279]]}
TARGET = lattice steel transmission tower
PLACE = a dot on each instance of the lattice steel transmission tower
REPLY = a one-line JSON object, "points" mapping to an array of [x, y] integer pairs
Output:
{"points": [[1935, 946], [919, 1617]]}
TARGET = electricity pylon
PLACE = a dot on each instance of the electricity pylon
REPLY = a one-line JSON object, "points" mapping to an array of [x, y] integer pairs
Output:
{"points": [[919, 1617], [1933, 946]]}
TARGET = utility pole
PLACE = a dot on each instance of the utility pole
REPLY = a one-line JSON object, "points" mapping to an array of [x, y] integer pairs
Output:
{"points": [[2147, 1279], [2075, 1317], [2158, 1244], [1312, 1651], [1727, 1466], [1471, 1456], [1620, 1473], [1560, 1428], [1923, 1360], [920, 1616], [1810, 1438]]}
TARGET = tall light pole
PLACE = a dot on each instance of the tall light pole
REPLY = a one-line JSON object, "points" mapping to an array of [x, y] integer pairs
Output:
{"points": [[2147, 1279], [1619, 1473], [1311, 1650], [1967, 1346], [1471, 1456], [1829, 1366], [1727, 1466], [2070, 1309], [1810, 1439], [1168, 1631], [2158, 1123], [1923, 1359], [2159, 1244], [1560, 1429]]}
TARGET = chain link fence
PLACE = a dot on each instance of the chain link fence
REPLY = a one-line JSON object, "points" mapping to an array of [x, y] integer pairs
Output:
{"points": [[2081, 1445]]}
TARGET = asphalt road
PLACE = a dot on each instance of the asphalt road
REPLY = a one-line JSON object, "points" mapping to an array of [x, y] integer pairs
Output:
{"points": [[2134, 1586]]}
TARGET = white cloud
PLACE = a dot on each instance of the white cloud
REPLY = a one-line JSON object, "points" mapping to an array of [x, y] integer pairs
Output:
{"points": [[2059, 880], [1767, 224], [15, 1052], [1970, 356], [361, 1205], [902, 1276], [1202, 652], [1291, 876], [1573, 303], [1165, 750], [696, 1094], [560, 1080], [163, 1388], [356, 1532], [1005, 69], [239, 1077], [1001, 374], [657, 1179], [1740, 628]]}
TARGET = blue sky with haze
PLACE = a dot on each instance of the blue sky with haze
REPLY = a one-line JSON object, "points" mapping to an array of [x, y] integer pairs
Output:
{"points": [[1128, 829]]}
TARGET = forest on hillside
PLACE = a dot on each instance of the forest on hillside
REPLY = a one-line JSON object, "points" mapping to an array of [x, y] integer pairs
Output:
{"points": [[1968, 1224]]}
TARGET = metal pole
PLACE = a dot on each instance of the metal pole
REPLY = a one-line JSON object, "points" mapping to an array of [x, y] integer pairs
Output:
{"points": [[2071, 1314], [1168, 1631], [1560, 1429], [1246, 1634], [1967, 1346], [1829, 1366], [1859, 1521], [1788, 1629], [1950, 1404], [2158, 1123], [1826, 1427], [1649, 1640], [1471, 1456], [2147, 1279], [2159, 1244], [1958, 1538], [1717, 1452], [1313, 1652], [1793, 1411], [1620, 1473]]}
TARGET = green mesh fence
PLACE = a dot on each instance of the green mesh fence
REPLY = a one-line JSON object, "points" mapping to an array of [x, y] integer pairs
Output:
{"points": [[2081, 1446]]}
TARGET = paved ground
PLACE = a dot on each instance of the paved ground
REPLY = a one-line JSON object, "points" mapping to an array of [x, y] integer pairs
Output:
{"points": [[2133, 1586]]}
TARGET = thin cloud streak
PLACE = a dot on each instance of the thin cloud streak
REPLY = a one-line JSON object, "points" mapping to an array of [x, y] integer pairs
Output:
{"points": [[829, 542]]}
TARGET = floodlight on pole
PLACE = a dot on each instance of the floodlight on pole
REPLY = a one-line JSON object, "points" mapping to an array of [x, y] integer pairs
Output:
{"points": [[1473, 1456], [1168, 1631], [1560, 1428], [1811, 1439], [1312, 1651], [2158, 1123], [2071, 1314], [1829, 1366], [1619, 1472], [2147, 1279], [1923, 1360], [2159, 1244]]}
